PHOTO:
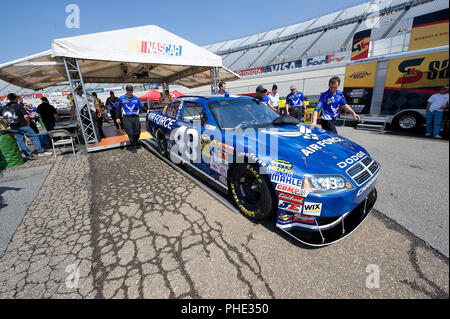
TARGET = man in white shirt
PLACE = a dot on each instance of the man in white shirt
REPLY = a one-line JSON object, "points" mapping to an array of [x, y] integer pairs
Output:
{"points": [[435, 109], [274, 98]]}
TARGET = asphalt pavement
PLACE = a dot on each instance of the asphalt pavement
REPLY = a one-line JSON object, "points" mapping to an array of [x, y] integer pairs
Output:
{"points": [[413, 188], [115, 224]]}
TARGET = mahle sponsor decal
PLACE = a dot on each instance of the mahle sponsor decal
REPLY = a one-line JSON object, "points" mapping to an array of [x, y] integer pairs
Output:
{"points": [[287, 180]]}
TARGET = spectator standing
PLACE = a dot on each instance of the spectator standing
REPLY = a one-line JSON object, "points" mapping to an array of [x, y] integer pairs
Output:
{"points": [[32, 124], [435, 110], [295, 103], [99, 107], [329, 103], [112, 104], [48, 114], [130, 105], [72, 106], [222, 89], [165, 98], [14, 116], [274, 98]]}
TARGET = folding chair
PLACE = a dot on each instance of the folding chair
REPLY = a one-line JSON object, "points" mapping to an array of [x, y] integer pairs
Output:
{"points": [[66, 138]]}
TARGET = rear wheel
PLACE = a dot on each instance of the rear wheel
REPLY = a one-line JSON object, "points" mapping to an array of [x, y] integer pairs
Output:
{"points": [[408, 121], [252, 191]]}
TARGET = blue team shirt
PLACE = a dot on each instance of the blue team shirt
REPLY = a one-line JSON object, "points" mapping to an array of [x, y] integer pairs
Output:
{"points": [[113, 103], [265, 99], [294, 100], [129, 106], [225, 93], [329, 104]]}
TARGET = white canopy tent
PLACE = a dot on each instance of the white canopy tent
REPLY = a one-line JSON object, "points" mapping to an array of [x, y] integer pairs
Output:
{"points": [[147, 54]]}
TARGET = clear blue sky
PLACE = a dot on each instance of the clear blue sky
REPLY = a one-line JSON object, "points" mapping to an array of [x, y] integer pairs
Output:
{"points": [[27, 27]]}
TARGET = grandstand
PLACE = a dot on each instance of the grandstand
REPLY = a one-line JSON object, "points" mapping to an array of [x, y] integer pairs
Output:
{"points": [[314, 39]]}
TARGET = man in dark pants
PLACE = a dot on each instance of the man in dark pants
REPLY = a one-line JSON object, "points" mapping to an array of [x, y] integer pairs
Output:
{"points": [[111, 104], [48, 114], [295, 103], [329, 103], [130, 105], [99, 114]]}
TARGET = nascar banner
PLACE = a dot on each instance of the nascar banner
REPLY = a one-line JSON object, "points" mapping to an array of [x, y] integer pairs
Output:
{"points": [[359, 83], [360, 46], [429, 30]]}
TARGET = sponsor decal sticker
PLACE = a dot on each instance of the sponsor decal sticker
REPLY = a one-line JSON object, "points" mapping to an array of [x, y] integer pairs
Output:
{"points": [[292, 190], [351, 160], [284, 218], [304, 219], [290, 207], [286, 180], [223, 180], [291, 198], [313, 148], [161, 120], [281, 163], [312, 209]]}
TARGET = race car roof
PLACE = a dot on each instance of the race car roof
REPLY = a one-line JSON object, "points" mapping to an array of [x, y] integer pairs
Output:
{"points": [[147, 54]]}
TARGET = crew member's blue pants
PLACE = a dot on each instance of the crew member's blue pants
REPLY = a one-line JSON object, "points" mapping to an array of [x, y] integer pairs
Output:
{"points": [[434, 120], [28, 131]]}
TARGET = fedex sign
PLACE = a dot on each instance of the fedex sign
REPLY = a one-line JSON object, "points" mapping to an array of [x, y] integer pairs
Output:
{"points": [[327, 59]]}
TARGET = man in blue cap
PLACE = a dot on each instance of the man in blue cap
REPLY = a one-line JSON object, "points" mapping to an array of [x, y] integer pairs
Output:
{"points": [[130, 105]]}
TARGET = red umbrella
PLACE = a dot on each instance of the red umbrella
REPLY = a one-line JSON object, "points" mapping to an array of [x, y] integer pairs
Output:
{"points": [[151, 95], [175, 94]]}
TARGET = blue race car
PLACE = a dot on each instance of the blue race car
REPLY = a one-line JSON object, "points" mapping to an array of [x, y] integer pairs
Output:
{"points": [[319, 186]]}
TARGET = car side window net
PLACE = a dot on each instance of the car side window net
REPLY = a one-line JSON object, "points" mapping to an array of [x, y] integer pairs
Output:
{"points": [[172, 110], [193, 112]]}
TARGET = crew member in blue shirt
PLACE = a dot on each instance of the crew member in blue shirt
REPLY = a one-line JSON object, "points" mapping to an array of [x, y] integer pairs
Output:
{"points": [[329, 103], [261, 95], [222, 87], [112, 105], [295, 103], [130, 105]]}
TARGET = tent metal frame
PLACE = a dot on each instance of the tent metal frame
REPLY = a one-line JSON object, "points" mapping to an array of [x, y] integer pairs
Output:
{"points": [[87, 124]]}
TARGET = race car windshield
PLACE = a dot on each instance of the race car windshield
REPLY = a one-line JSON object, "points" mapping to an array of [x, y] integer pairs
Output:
{"points": [[241, 113]]}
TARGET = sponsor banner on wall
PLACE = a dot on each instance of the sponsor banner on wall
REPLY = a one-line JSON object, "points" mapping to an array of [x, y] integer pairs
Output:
{"points": [[359, 83], [429, 30], [250, 72], [283, 66], [297, 64], [418, 72], [360, 46]]}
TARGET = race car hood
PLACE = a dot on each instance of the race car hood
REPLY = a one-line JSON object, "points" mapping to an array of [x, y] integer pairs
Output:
{"points": [[305, 147]]}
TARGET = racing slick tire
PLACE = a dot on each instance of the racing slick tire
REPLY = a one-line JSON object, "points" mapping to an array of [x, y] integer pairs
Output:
{"points": [[252, 192], [162, 143]]}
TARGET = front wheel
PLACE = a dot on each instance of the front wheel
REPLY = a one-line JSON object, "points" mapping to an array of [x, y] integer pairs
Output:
{"points": [[162, 143], [252, 191]]}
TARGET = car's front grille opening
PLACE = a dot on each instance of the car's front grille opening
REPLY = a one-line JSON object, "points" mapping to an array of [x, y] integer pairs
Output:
{"points": [[363, 171]]}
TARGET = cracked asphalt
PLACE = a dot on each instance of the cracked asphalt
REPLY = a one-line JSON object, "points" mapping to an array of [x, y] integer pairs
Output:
{"points": [[121, 225]]}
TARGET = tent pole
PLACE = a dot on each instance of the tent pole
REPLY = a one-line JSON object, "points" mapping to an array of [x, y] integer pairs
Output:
{"points": [[86, 122], [214, 80]]}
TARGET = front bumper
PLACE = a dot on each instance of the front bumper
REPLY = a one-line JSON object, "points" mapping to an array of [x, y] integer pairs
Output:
{"points": [[326, 231]]}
